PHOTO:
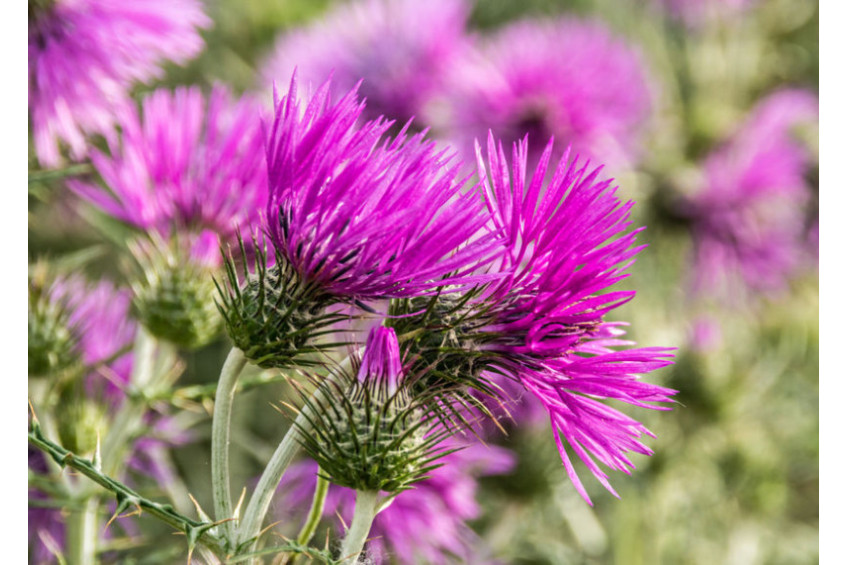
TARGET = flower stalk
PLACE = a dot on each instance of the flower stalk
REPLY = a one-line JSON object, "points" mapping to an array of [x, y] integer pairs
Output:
{"points": [[367, 508], [273, 473], [222, 415], [322, 485], [82, 532]]}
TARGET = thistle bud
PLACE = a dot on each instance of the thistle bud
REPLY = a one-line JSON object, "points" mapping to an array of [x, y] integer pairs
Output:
{"points": [[81, 421], [368, 432], [175, 297], [52, 343], [444, 337], [271, 315]]}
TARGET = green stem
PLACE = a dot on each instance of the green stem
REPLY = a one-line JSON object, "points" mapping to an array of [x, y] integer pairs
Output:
{"points": [[322, 485], [273, 473], [82, 533], [129, 418], [366, 510], [200, 392], [221, 438], [251, 524]]}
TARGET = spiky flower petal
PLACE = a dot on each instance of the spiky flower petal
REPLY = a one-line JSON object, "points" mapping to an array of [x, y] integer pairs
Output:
{"points": [[352, 217], [365, 217], [185, 167], [542, 324]]}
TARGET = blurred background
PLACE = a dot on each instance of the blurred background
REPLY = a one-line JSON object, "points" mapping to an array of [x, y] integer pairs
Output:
{"points": [[705, 113]]}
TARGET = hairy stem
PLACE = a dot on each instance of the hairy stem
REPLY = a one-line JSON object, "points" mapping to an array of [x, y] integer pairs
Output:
{"points": [[221, 438], [367, 508]]}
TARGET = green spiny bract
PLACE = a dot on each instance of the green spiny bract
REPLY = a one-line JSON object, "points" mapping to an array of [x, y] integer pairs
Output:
{"points": [[175, 298], [443, 337], [52, 345], [271, 315], [364, 440]]}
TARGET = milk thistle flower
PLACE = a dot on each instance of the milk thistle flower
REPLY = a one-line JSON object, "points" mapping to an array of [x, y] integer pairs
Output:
{"points": [[542, 324], [85, 55], [425, 524], [185, 165], [570, 79], [352, 216], [749, 216], [190, 173], [398, 49]]}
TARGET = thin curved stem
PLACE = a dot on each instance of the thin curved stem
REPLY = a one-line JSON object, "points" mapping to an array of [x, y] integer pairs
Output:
{"points": [[273, 473], [322, 485], [367, 507], [221, 417]]}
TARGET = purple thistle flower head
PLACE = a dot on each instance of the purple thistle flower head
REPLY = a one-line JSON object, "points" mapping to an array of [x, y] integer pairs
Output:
{"points": [[365, 218], [381, 366], [426, 524], [398, 49], [185, 166], [570, 79], [750, 214], [84, 55], [566, 243]]}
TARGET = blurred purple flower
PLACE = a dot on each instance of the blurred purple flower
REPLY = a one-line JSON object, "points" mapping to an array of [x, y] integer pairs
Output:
{"points": [[566, 243], [423, 525], [46, 525], [99, 315], [399, 49], [695, 13], [571, 79], [84, 55], [750, 214], [363, 217], [185, 166], [705, 335]]}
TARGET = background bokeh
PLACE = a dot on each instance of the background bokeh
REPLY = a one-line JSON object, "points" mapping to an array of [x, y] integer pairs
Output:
{"points": [[734, 478]]}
